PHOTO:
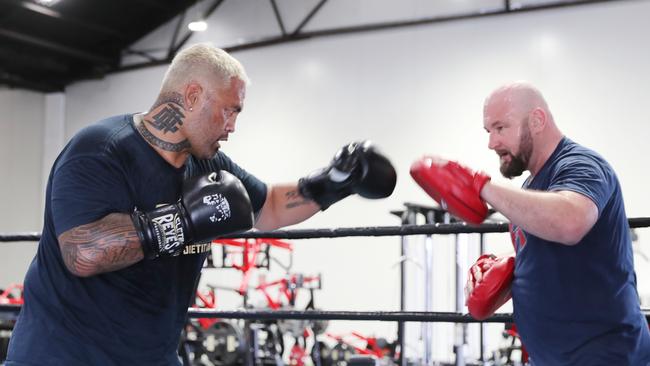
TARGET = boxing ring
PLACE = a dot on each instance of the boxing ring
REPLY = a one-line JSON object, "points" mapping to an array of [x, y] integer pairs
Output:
{"points": [[432, 227]]}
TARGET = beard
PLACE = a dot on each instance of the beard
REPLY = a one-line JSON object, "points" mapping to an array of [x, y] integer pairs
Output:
{"points": [[519, 163]]}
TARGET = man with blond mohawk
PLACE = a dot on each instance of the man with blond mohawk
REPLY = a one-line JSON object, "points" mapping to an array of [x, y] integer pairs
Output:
{"points": [[132, 204], [574, 288]]}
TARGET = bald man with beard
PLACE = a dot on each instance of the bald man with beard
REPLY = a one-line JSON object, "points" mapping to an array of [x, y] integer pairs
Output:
{"points": [[574, 288]]}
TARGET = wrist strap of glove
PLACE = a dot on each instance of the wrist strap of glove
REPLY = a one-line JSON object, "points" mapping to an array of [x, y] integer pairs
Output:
{"points": [[480, 180], [160, 231], [146, 241], [325, 187]]}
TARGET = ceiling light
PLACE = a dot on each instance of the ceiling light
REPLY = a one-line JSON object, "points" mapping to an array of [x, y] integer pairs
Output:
{"points": [[198, 26], [47, 2]]}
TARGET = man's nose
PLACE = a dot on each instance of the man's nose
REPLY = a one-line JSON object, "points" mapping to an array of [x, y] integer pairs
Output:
{"points": [[230, 125], [493, 142]]}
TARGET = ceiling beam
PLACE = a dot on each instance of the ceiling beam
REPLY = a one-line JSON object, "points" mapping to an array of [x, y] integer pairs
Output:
{"points": [[53, 14], [177, 30], [15, 81], [142, 54], [308, 17], [153, 3], [27, 61], [80, 54], [270, 41], [278, 17], [299, 36], [206, 15]]}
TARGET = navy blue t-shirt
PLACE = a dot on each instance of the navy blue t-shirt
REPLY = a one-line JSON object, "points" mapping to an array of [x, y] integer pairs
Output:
{"points": [[132, 316], [578, 305]]}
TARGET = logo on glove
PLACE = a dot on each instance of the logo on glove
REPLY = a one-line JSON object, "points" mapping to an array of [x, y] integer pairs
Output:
{"points": [[169, 229], [221, 207]]}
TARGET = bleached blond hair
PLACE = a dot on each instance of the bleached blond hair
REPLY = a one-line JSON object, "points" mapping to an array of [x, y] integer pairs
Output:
{"points": [[205, 64]]}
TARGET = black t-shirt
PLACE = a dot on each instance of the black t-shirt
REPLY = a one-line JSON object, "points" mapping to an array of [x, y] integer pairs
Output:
{"points": [[133, 316]]}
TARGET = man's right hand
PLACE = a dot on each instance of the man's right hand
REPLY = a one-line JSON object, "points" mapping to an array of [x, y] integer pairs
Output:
{"points": [[211, 205], [488, 285], [358, 167], [455, 187]]}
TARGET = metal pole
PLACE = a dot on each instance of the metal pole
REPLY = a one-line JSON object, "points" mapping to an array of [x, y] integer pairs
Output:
{"points": [[427, 328], [481, 332], [251, 349], [408, 217], [460, 330]]}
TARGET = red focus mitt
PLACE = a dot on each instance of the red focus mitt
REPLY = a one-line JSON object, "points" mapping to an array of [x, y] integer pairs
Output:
{"points": [[456, 188], [488, 285]]}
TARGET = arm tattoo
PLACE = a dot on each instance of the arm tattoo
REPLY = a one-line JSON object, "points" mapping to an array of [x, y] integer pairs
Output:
{"points": [[294, 199], [165, 145], [106, 245]]}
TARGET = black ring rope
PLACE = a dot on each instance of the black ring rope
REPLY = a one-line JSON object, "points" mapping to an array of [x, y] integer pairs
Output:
{"points": [[20, 237], [404, 316], [388, 316], [403, 230]]}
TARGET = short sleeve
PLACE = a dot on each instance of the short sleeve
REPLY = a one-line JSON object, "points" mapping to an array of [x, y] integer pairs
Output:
{"points": [[86, 189], [256, 188], [587, 176]]}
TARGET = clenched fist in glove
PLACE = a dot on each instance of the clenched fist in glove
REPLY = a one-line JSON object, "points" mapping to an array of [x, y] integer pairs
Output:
{"points": [[455, 187], [488, 285], [356, 168], [211, 205]]}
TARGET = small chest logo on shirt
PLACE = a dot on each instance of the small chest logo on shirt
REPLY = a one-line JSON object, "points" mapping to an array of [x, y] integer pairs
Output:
{"points": [[518, 237]]}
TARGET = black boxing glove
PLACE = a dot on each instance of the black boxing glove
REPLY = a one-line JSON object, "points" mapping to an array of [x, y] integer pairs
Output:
{"points": [[210, 205], [356, 168]]}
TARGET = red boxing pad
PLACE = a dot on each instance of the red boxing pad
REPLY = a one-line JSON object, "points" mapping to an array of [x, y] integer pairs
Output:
{"points": [[494, 290], [455, 187]]}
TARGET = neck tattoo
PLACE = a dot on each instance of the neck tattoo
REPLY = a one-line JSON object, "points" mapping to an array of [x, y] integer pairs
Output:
{"points": [[155, 141], [168, 119], [171, 97]]}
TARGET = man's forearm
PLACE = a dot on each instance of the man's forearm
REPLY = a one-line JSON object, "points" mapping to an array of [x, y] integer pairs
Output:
{"points": [[106, 245], [562, 217], [285, 206]]}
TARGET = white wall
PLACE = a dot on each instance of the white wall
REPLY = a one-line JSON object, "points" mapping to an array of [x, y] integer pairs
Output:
{"points": [[21, 155], [413, 91]]}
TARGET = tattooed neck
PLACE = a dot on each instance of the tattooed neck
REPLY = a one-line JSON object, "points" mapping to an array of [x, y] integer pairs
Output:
{"points": [[162, 144], [172, 97], [167, 118]]}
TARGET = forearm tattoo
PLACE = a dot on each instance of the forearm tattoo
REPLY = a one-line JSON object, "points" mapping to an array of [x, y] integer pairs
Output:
{"points": [[295, 199], [165, 145], [106, 245]]}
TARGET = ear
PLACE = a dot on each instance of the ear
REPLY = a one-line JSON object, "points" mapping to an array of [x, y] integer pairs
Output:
{"points": [[192, 95], [537, 120]]}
